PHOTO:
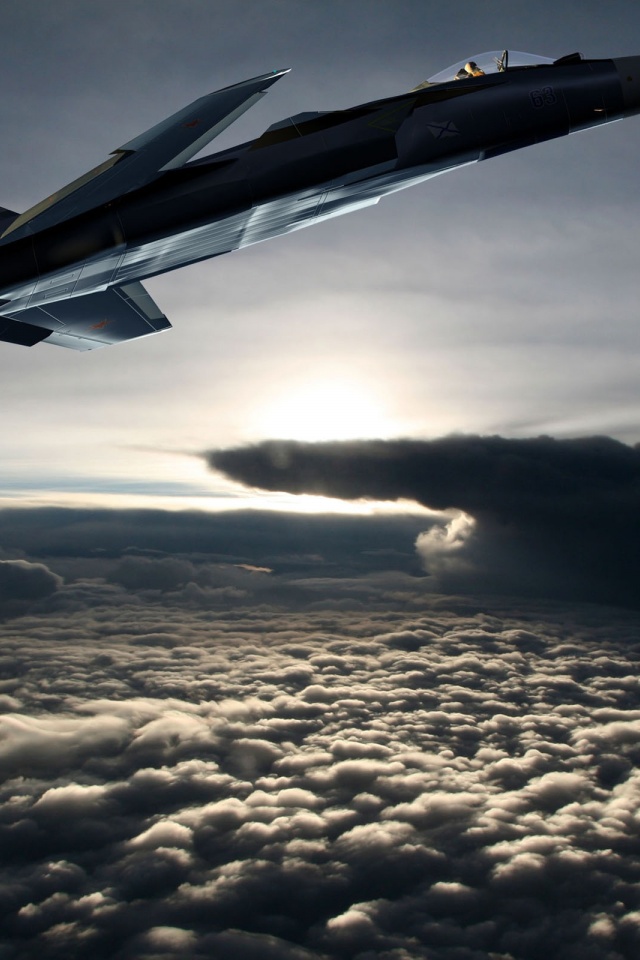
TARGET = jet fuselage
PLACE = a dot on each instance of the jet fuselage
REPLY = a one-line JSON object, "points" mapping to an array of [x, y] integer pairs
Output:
{"points": [[304, 170]]}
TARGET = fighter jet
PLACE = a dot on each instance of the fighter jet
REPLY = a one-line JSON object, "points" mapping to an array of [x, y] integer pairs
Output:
{"points": [[70, 267]]}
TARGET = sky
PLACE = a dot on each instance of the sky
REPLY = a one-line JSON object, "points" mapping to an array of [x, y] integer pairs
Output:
{"points": [[319, 622], [373, 325]]}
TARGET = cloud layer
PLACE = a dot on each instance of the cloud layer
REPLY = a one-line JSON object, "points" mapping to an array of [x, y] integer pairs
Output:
{"points": [[557, 518], [240, 736], [265, 782]]}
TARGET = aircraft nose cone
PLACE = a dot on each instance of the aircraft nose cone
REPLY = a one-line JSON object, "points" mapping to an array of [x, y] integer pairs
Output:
{"points": [[629, 72]]}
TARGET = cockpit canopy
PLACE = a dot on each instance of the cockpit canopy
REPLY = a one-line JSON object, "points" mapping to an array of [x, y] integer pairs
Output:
{"points": [[494, 61]]}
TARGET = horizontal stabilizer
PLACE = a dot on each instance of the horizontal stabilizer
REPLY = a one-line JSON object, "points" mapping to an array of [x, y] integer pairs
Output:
{"points": [[166, 146], [95, 320], [26, 334]]}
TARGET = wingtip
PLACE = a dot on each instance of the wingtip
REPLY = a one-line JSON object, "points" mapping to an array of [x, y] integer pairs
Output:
{"points": [[276, 74]]}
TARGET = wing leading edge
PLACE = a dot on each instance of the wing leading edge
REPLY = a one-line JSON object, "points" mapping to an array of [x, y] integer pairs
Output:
{"points": [[86, 323]]}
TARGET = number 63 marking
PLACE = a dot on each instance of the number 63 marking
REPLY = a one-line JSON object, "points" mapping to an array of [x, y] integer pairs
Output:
{"points": [[544, 97]]}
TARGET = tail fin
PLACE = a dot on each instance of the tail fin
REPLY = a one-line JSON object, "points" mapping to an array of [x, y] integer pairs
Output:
{"points": [[6, 218]]}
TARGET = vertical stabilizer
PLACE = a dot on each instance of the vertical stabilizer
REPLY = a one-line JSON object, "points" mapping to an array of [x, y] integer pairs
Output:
{"points": [[6, 218]]}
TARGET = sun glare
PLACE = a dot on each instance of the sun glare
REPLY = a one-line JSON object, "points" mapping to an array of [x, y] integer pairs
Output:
{"points": [[324, 410]]}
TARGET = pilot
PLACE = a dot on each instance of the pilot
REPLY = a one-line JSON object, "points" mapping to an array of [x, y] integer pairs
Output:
{"points": [[462, 74], [473, 70]]}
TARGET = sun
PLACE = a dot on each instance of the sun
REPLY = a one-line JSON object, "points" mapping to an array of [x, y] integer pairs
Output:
{"points": [[327, 409]]}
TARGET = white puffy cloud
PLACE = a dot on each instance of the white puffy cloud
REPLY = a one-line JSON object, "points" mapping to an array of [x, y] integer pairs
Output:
{"points": [[411, 783]]}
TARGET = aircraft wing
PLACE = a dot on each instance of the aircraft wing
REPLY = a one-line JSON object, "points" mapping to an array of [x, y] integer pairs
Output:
{"points": [[85, 323], [166, 146]]}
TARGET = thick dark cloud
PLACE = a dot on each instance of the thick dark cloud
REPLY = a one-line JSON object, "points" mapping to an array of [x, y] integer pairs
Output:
{"points": [[67, 560], [336, 544], [558, 518], [22, 583], [21, 580]]}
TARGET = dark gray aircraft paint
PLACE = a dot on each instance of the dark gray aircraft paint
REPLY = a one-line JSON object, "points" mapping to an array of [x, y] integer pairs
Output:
{"points": [[70, 267]]}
